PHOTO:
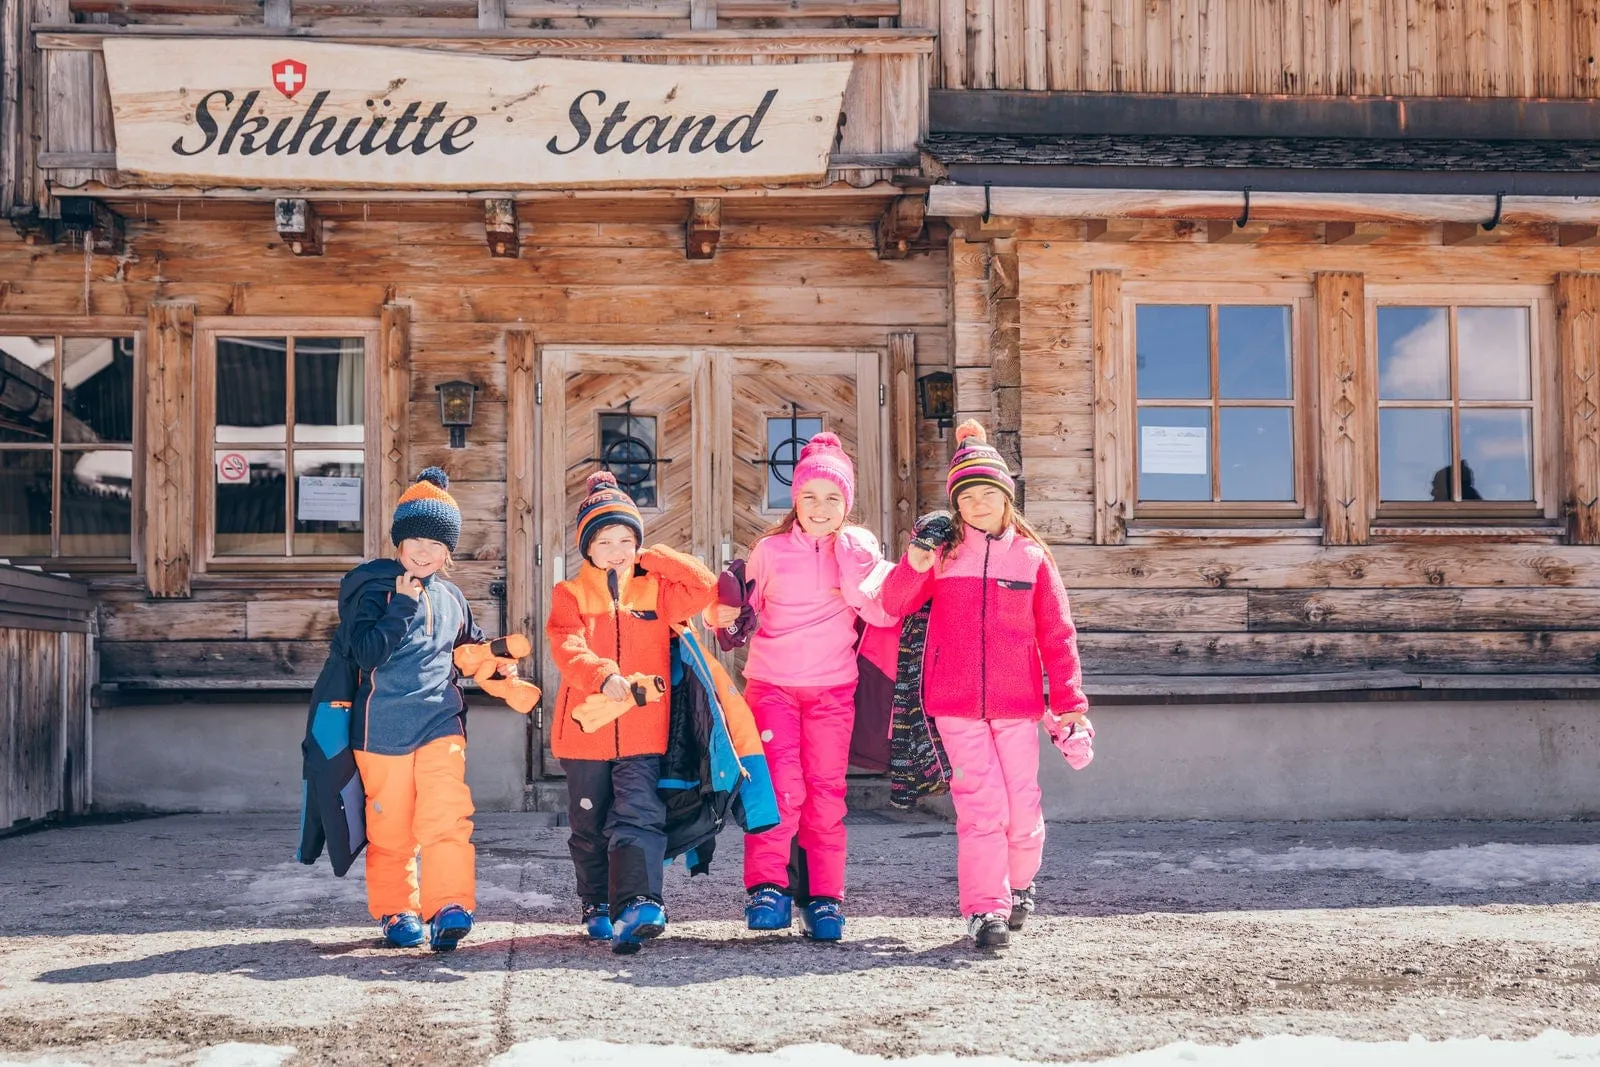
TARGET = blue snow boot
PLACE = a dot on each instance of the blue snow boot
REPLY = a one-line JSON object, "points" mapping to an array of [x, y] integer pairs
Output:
{"points": [[449, 926], [823, 920], [640, 920], [404, 930], [597, 921], [769, 908]]}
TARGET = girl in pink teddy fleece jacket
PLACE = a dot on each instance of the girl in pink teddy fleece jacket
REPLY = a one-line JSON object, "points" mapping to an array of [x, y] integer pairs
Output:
{"points": [[813, 576], [999, 615]]}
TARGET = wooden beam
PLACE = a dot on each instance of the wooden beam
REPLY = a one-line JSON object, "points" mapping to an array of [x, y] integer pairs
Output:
{"points": [[1110, 230], [702, 14], [500, 228], [903, 440], [1579, 236], [394, 400], [277, 14], [1115, 450], [900, 224], [491, 14], [1354, 233], [704, 228], [523, 608], [1005, 357], [1471, 233], [1229, 232], [170, 443], [299, 226], [1345, 398], [1578, 361]]}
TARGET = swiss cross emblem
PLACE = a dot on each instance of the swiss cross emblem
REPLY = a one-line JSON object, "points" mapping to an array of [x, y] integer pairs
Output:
{"points": [[289, 76]]}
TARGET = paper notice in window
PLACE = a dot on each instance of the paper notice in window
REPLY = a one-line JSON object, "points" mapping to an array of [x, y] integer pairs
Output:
{"points": [[328, 499], [1174, 450]]}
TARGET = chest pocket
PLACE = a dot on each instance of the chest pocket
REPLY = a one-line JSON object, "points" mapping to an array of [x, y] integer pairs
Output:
{"points": [[646, 614], [1010, 583]]}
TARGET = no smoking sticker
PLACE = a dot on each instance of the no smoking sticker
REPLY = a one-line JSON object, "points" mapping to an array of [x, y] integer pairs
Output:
{"points": [[232, 468]]}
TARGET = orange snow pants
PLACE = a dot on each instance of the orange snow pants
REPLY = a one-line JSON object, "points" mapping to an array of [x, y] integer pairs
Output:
{"points": [[419, 805]]}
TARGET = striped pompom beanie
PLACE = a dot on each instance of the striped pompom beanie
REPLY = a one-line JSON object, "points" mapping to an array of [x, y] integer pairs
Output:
{"points": [[427, 511], [606, 505], [976, 462]]}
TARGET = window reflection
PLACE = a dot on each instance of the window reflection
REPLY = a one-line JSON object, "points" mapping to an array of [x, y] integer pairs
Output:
{"points": [[785, 438]]}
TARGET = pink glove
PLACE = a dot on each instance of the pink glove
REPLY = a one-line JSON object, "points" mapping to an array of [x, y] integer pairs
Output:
{"points": [[1075, 740]]}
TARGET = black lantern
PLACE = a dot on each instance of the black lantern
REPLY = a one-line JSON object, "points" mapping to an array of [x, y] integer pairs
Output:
{"points": [[936, 398], [455, 409]]}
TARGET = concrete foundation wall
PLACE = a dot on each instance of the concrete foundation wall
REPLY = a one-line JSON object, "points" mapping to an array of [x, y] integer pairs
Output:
{"points": [[1358, 760], [246, 757]]}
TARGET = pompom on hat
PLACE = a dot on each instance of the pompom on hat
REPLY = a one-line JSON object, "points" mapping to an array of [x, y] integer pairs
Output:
{"points": [[606, 505], [977, 462], [426, 510], [824, 457]]}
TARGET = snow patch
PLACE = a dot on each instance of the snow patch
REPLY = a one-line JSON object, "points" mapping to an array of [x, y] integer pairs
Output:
{"points": [[239, 1054], [1550, 1049], [494, 894], [1494, 866], [293, 886]]}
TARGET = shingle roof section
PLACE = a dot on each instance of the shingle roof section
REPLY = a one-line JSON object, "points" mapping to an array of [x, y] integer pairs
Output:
{"points": [[1290, 153]]}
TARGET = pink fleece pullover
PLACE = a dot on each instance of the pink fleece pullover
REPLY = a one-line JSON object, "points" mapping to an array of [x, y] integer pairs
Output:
{"points": [[808, 593], [1000, 620]]}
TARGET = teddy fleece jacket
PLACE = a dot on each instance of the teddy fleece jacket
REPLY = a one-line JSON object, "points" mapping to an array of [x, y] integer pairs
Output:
{"points": [[1000, 621]]}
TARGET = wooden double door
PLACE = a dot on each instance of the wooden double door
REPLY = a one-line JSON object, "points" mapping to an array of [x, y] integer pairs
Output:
{"points": [[704, 440]]}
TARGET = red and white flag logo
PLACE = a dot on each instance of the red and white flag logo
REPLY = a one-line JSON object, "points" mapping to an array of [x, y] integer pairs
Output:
{"points": [[289, 76]]}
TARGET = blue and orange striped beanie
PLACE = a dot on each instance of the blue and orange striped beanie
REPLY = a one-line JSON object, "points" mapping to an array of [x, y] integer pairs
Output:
{"points": [[426, 510], [606, 505], [977, 462]]}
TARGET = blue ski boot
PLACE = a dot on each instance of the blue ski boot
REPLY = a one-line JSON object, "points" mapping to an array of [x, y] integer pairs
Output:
{"points": [[641, 919], [823, 920], [404, 930], [449, 926], [597, 921], [769, 908]]}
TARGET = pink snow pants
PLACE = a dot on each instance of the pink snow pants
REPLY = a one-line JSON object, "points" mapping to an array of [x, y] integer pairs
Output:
{"points": [[806, 735], [999, 815]]}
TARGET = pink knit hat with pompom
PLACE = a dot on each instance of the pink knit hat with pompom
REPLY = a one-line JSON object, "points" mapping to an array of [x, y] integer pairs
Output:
{"points": [[824, 457]]}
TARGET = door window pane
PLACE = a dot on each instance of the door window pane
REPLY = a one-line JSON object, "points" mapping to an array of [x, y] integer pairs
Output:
{"points": [[250, 502], [329, 389], [329, 487], [628, 451], [1413, 353], [27, 390], [1253, 354], [1174, 453], [252, 390], [1414, 454], [1173, 351], [1257, 454], [1494, 350], [785, 438], [97, 396], [1497, 454], [25, 503], [97, 502]]}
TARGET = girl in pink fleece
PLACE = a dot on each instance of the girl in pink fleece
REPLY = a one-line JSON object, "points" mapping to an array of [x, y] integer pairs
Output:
{"points": [[813, 576], [999, 614]]}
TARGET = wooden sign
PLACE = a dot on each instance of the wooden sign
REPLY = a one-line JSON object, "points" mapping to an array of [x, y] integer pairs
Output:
{"points": [[293, 113]]}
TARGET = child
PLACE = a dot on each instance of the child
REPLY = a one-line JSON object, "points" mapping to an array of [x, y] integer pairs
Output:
{"points": [[813, 576], [610, 630], [401, 621], [999, 614]]}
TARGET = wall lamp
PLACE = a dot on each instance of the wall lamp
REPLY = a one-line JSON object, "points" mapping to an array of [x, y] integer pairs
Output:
{"points": [[455, 409]]}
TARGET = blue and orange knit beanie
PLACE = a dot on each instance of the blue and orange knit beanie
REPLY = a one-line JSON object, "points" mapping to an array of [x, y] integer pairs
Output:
{"points": [[977, 462], [606, 505], [426, 510]]}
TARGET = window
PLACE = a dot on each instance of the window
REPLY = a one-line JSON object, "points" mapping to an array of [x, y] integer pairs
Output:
{"points": [[786, 436], [628, 451], [1216, 389], [1456, 421], [67, 447], [289, 446]]}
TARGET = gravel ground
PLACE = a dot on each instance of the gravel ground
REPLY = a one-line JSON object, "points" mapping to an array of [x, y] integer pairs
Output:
{"points": [[150, 940]]}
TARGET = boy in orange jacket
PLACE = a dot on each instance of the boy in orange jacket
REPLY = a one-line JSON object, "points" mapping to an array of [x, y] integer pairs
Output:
{"points": [[611, 621]]}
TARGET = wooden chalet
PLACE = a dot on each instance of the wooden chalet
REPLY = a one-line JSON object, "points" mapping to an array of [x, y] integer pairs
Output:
{"points": [[1282, 308]]}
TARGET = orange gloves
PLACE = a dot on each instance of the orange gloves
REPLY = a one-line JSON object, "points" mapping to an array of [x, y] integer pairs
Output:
{"points": [[600, 709], [483, 662]]}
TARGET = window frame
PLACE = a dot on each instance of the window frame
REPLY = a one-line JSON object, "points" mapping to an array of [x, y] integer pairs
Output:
{"points": [[661, 505], [1539, 301], [99, 329], [1299, 298], [207, 332]]}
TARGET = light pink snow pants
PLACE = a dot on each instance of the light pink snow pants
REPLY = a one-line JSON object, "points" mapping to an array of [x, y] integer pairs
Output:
{"points": [[999, 816], [805, 733]]}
